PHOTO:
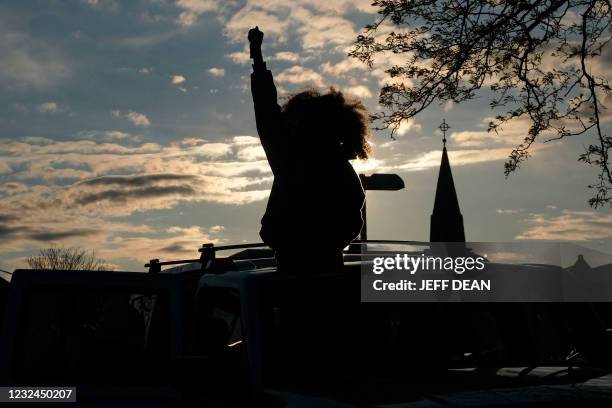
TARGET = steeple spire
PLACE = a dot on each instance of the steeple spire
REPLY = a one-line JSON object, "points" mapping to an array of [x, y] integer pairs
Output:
{"points": [[446, 219]]}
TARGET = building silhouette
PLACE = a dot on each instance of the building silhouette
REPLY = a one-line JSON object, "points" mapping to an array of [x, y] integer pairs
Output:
{"points": [[446, 224]]}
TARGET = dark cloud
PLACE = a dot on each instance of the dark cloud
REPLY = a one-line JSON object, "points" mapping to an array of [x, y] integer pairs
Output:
{"points": [[35, 234], [121, 196], [126, 188], [7, 218], [67, 164], [137, 181], [176, 248], [58, 235], [8, 232]]}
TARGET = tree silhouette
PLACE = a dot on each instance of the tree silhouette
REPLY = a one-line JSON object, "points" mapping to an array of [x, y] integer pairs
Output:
{"points": [[537, 58], [60, 258]]}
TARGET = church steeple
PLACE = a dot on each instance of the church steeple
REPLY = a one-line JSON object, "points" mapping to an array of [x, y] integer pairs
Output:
{"points": [[446, 219]]}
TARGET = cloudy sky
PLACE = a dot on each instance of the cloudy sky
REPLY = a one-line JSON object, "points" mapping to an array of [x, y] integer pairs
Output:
{"points": [[127, 127]]}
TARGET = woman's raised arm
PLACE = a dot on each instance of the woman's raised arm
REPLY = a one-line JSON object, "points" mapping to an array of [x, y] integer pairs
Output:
{"points": [[267, 112]]}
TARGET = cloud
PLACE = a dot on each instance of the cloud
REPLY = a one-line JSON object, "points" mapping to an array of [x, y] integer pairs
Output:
{"points": [[323, 30], [239, 57], [508, 211], [135, 181], [112, 240], [5, 168], [510, 134], [116, 181], [60, 235], [109, 135], [470, 138], [464, 157], [13, 188], [149, 39], [360, 91], [34, 149], [116, 134], [407, 126], [343, 66], [276, 27], [193, 9], [154, 176], [186, 19], [20, 231], [193, 141], [32, 62], [449, 105], [109, 5], [286, 56], [300, 75], [216, 72], [178, 79], [41, 234], [569, 226], [47, 107], [173, 243], [468, 147], [6, 218], [122, 196], [341, 6], [212, 150], [251, 153], [315, 23], [245, 140], [138, 119]]}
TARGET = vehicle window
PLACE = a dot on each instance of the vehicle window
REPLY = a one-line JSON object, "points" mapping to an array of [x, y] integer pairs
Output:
{"points": [[219, 325], [82, 332]]}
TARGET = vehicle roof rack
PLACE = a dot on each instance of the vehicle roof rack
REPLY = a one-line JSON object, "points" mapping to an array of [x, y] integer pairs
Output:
{"points": [[208, 258], [211, 264]]}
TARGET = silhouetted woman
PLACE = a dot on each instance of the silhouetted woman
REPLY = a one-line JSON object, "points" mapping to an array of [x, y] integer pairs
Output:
{"points": [[314, 209]]}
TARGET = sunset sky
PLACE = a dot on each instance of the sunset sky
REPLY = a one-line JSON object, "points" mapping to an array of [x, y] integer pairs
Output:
{"points": [[128, 127]]}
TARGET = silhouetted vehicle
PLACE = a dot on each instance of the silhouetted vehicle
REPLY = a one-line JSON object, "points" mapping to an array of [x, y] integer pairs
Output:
{"points": [[231, 331]]}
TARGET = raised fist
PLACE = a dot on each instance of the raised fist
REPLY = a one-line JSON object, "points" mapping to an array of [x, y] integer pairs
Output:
{"points": [[255, 37]]}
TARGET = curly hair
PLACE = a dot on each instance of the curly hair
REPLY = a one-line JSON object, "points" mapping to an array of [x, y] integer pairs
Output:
{"points": [[337, 121]]}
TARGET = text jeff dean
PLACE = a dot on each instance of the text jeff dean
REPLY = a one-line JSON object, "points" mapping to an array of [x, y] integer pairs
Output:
{"points": [[435, 285]]}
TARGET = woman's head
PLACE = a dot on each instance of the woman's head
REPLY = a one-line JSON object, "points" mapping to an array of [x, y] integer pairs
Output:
{"points": [[331, 121]]}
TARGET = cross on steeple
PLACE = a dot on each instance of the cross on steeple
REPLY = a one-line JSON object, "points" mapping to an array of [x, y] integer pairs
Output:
{"points": [[444, 127]]}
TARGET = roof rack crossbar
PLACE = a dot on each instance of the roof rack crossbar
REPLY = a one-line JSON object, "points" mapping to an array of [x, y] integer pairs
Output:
{"points": [[207, 251], [236, 246], [155, 262]]}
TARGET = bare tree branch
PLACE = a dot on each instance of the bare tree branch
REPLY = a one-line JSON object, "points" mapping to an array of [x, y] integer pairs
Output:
{"points": [[60, 258]]}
